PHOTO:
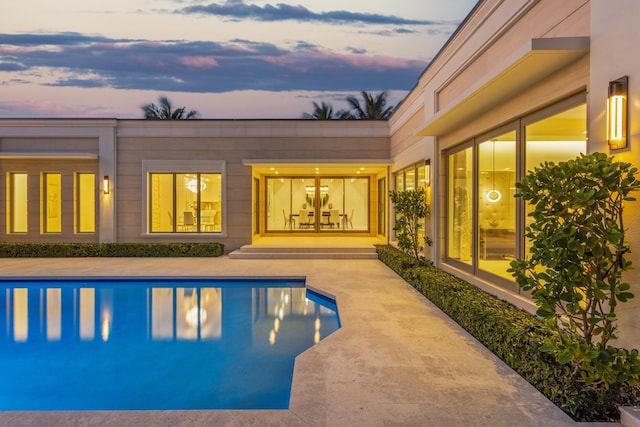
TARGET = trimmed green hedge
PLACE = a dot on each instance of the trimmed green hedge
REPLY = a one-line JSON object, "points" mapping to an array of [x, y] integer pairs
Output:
{"points": [[513, 335], [59, 250]]}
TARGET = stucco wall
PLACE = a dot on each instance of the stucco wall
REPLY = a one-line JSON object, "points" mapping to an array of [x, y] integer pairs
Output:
{"points": [[34, 170], [234, 142], [614, 46]]}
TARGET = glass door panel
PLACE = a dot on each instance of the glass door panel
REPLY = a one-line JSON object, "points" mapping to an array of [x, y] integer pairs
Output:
{"points": [[382, 205], [210, 202], [332, 197], [557, 138], [314, 204], [187, 189], [305, 201], [460, 206], [356, 204], [278, 209], [497, 204]]}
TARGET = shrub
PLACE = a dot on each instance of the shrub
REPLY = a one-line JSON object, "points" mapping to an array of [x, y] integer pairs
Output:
{"points": [[62, 250], [512, 334], [576, 261], [411, 210]]}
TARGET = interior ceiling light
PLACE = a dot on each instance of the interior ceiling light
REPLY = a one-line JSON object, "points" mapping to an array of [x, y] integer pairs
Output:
{"points": [[494, 195]]}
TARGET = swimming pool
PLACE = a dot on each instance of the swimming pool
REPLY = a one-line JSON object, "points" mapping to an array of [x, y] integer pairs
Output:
{"points": [[142, 344]]}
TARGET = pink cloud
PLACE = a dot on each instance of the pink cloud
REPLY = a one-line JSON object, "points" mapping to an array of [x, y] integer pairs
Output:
{"points": [[45, 108], [305, 60], [198, 61]]}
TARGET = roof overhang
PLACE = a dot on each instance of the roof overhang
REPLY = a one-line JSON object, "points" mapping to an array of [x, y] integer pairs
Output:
{"points": [[38, 156], [526, 66], [318, 167]]}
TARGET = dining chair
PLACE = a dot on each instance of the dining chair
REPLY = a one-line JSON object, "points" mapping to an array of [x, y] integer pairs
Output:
{"points": [[303, 219], [189, 221], [289, 221], [334, 217], [348, 220]]}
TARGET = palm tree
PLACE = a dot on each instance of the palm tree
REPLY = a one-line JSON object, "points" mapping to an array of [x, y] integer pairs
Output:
{"points": [[323, 111], [373, 107], [165, 111]]}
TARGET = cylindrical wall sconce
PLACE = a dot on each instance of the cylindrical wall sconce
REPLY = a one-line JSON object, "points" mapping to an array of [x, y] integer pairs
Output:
{"points": [[617, 113], [105, 184]]}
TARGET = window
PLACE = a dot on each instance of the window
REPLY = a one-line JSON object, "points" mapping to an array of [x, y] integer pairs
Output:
{"points": [[17, 203], [317, 204], [496, 203], [185, 202], [51, 192], [400, 181], [460, 206], [85, 203], [557, 138], [485, 222], [411, 177]]}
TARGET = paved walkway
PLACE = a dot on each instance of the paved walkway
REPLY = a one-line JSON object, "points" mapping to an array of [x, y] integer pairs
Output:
{"points": [[396, 361]]}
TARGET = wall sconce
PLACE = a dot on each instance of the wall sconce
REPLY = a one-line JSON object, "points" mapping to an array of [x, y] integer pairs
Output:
{"points": [[427, 172], [105, 184], [617, 113]]}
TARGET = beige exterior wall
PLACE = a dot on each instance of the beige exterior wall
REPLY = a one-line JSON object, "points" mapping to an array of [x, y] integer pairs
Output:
{"points": [[34, 170], [491, 73], [123, 150], [65, 146], [506, 28], [236, 143], [484, 53], [614, 46]]}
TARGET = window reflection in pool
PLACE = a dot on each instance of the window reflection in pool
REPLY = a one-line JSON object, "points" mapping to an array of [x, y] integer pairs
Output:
{"points": [[141, 344]]}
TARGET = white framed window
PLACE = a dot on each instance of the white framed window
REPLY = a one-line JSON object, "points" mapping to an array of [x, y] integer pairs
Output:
{"points": [[183, 196]]}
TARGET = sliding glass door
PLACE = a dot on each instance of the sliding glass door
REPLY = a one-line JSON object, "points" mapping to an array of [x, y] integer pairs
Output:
{"points": [[317, 204]]}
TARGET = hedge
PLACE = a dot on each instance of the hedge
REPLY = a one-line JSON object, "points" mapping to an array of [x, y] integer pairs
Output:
{"points": [[58, 250], [513, 335]]}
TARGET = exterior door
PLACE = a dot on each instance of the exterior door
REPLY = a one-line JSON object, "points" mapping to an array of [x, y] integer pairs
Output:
{"points": [[317, 204]]}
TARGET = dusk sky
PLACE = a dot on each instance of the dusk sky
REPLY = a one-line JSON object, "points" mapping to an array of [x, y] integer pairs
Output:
{"points": [[226, 59]]}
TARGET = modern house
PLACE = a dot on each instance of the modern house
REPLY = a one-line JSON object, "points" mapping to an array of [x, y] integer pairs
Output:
{"points": [[520, 82]]}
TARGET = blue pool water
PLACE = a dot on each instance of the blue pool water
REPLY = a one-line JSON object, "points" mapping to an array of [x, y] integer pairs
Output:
{"points": [[142, 344]]}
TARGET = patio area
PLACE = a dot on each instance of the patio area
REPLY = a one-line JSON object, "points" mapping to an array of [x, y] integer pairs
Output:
{"points": [[397, 360]]}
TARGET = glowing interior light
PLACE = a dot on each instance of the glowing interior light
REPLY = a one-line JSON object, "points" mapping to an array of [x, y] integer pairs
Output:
{"points": [[192, 316], [106, 326], [493, 196], [192, 185]]}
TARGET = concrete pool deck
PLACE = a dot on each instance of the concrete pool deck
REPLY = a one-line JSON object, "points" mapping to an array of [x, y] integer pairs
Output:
{"points": [[396, 361]]}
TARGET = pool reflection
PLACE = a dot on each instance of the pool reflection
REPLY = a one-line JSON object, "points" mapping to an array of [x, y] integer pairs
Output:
{"points": [[104, 345], [163, 313], [186, 313]]}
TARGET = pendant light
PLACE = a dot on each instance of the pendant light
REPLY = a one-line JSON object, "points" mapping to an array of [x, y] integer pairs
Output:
{"points": [[494, 195]]}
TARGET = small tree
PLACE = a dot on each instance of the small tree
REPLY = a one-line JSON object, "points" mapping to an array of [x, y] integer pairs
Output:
{"points": [[576, 260], [411, 210]]}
